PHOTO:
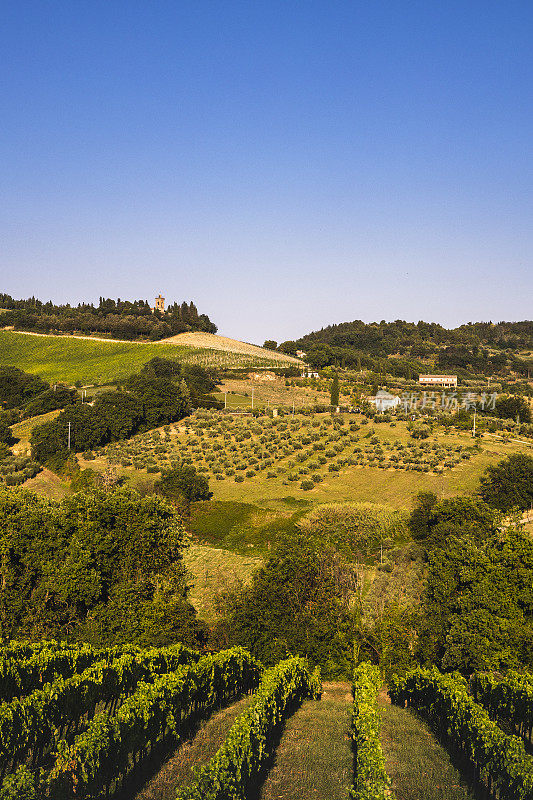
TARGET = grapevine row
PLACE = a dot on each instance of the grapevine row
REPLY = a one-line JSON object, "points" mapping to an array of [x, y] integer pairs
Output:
{"points": [[239, 760], [22, 676], [371, 779], [498, 759], [509, 699], [111, 746], [32, 723]]}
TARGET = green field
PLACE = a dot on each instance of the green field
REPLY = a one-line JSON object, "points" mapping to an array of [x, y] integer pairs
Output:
{"points": [[69, 359]]}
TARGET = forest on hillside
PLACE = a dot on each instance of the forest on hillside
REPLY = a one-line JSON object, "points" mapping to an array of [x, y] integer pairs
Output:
{"points": [[121, 319], [481, 348]]}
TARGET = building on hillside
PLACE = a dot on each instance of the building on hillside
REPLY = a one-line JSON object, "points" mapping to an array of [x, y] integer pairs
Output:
{"points": [[300, 354], [446, 381], [159, 304], [385, 401], [307, 373]]}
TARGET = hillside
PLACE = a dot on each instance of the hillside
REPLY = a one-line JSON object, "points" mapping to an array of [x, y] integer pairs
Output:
{"points": [[214, 341], [99, 361], [404, 348]]}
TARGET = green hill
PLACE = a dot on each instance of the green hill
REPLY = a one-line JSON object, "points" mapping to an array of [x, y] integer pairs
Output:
{"points": [[98, 361]]}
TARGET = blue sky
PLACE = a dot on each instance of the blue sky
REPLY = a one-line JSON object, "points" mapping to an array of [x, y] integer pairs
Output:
{"points": [[285, 164]]}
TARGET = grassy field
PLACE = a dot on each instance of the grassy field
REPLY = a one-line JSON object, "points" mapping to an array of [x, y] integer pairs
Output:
{"points": [[213, 341], [314, 758], [22, 430], [269, 391], [70, 359], [419, 767], [214, 571]]}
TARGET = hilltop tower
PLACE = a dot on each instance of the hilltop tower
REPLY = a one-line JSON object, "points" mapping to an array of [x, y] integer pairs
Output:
{"points": [[159, 304]]}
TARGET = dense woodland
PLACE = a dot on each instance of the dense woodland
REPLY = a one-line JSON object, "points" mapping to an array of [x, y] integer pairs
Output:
{"points": [[406, 348], [121, 319]]}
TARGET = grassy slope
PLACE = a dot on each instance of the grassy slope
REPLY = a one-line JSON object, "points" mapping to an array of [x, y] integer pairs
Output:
{"points": [[419, 767], [22, 430], [217, 342], [69, 359], [214, 571], [314, 758]]}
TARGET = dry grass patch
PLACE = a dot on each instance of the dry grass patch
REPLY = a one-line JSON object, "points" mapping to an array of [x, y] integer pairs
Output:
{"points": [[214, 341]]}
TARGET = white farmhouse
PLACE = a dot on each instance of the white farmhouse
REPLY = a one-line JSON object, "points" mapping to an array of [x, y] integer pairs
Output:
{"points": [[385, 401]]}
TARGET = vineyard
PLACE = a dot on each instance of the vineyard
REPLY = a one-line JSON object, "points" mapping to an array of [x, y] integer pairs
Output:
{"points": [[78, 722], [99, 361]]}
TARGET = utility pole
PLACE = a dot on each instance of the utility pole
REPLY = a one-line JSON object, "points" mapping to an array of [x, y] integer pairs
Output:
{"points": [[69, 436], [474, 428], [225, 400]]}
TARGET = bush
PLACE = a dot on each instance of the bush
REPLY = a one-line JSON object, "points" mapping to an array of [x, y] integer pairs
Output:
{"points": [[306, 485]]}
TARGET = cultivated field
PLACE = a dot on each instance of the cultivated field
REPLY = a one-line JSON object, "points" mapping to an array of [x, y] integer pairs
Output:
{"points": [[213, 341], [96, 361], [314, 457]]}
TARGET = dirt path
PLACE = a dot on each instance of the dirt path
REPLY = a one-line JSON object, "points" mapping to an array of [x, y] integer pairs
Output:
{"points": [[420, 768], [177, 770], [314, 756]]}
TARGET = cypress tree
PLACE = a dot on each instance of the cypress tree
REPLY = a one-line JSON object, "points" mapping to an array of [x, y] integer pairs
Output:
{"points": [[335, 390]]}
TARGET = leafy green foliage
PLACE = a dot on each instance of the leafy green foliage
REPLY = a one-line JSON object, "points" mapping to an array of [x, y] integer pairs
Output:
{"points": [[478, 605], [508, 699], [508, 485], [296, 604], [184, 483], [512, 406], [371, 780], [334, 391], [100, 566], [50, 400], [495, 756], [153, 712], [18, 388], [238, 762], [32, 722], [354, 529]]}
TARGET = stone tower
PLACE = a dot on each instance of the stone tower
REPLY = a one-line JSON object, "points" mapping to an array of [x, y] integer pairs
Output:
{"points": [[159, 303]]}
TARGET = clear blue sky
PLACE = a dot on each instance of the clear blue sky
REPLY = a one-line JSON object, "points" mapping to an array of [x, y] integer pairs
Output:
{"points": [[285, 164]]}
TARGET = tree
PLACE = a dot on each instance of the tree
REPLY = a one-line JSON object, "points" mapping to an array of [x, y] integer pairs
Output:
{"points": [[121, 412], [270, 344], [161, 368], [50, 400], [436, 522], [162, 400], [294, 605], [478, 608], [508, 484], [419, 520], [511, 407], [18, 387], [335, 391], [104, 567], [184, 484]]}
